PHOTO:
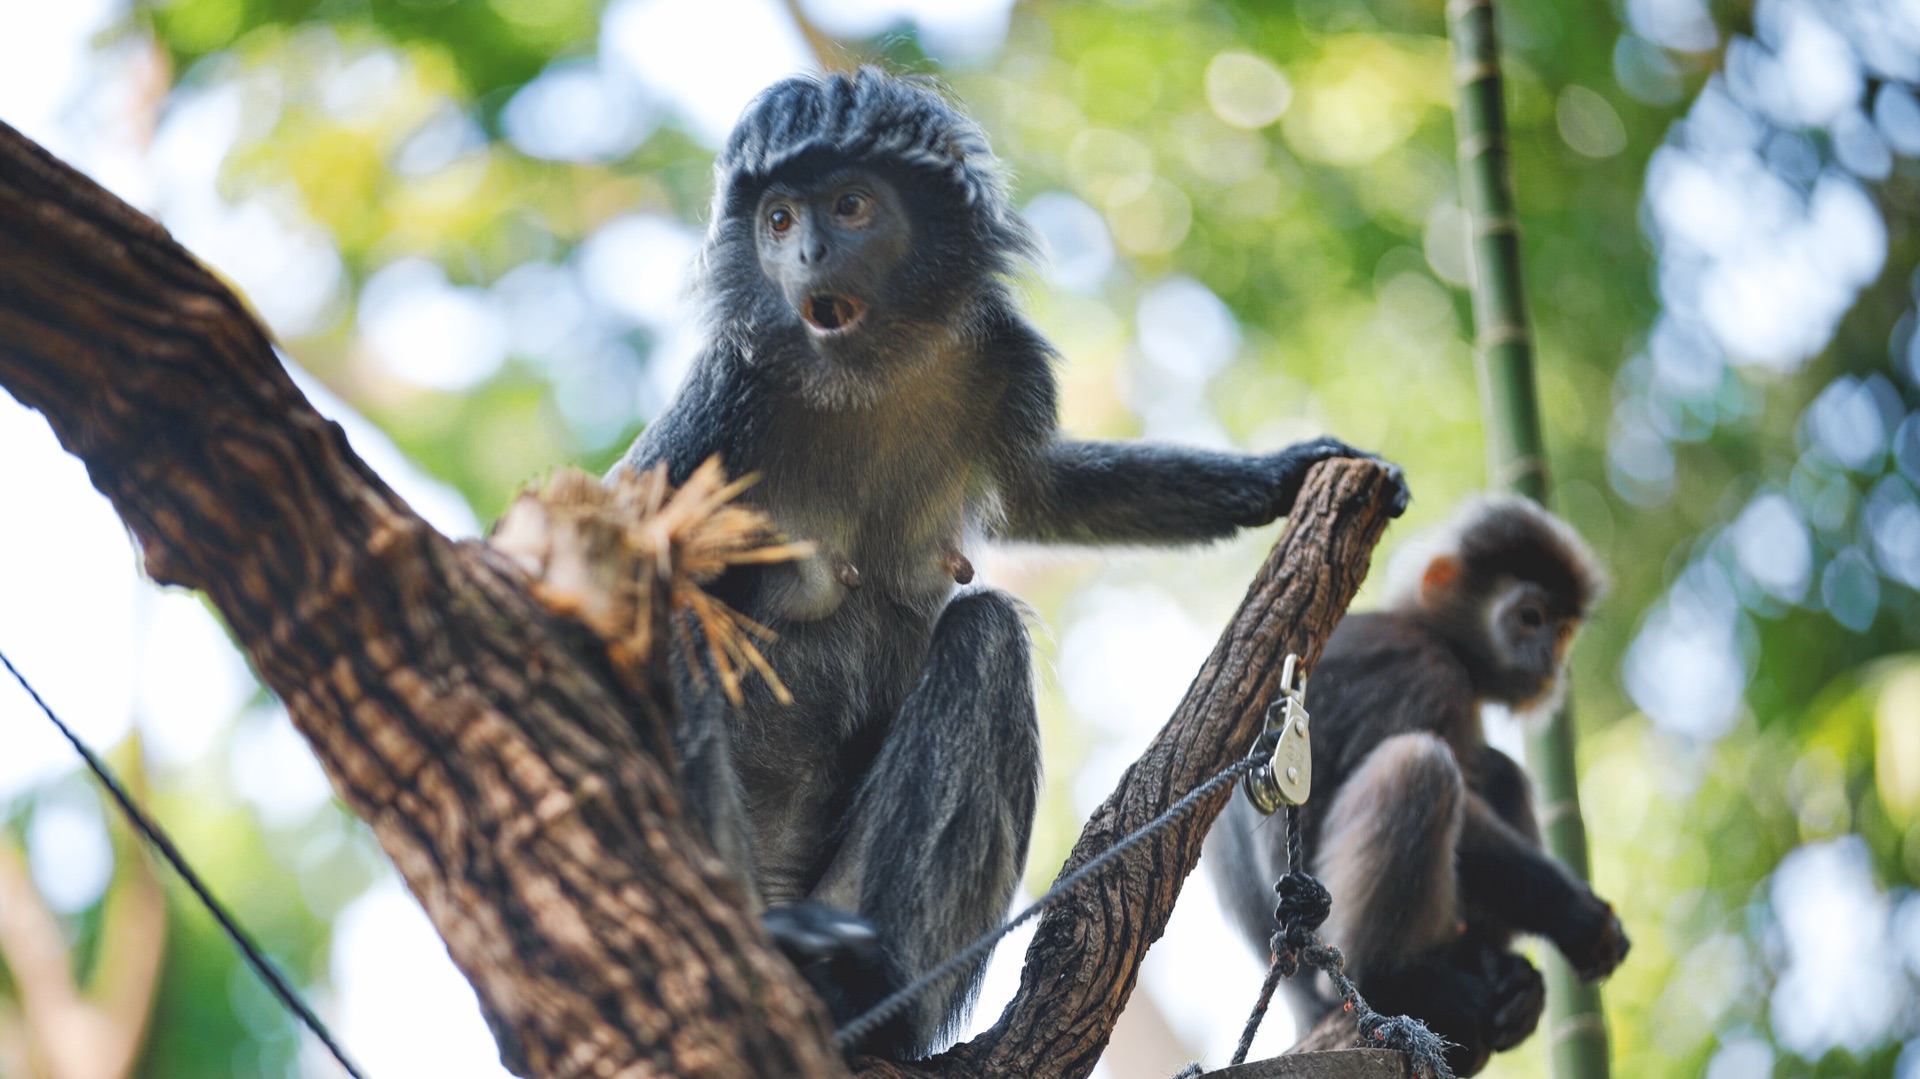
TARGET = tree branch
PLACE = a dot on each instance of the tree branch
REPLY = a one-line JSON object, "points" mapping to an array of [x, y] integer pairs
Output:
{"points": [[525, 793], [514, 764], [1086, 956]]}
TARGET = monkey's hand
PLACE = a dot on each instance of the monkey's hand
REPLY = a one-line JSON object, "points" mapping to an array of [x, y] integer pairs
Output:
{"points": [[1291, 465], [1515, 997], [1597, 942], [841, 956]]}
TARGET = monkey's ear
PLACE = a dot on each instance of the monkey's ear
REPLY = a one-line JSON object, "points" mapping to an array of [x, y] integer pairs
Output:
{"points": [[1443, 573]]}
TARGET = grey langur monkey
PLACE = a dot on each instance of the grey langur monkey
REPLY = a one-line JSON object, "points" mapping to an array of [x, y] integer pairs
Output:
{"points": [[864, 356], [1423, 833]]}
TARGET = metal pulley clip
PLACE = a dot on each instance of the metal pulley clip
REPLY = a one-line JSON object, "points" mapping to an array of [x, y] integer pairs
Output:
{"points": [[1287, 779]]}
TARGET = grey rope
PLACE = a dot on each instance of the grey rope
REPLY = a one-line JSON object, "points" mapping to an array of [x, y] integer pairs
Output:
{"points": [[867, 1022], [1304, 904], [150, 830]]}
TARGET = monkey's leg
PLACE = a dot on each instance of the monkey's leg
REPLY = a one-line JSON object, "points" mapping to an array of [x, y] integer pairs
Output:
{"points": [[1386, 854], [937, 835], [702, 742]]}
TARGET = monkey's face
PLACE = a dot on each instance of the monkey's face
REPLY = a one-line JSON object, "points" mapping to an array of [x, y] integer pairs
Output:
{"points": [[832, 248], [1528, 632]]}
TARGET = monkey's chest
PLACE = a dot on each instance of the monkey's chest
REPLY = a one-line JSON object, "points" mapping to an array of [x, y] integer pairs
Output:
{"points": [[900, 541]]}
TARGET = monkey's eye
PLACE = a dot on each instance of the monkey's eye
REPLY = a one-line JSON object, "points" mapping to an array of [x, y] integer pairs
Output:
{"points": [[780, 220], [1532, 617], [853, 204]]}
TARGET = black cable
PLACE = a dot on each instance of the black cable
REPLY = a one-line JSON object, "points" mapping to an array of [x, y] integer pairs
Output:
{"points": [[867, 1022], [1276, 968], [151, 831]]}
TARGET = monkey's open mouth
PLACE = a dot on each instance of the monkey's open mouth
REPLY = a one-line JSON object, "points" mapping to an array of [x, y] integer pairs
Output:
{"points": [[832, 313]]}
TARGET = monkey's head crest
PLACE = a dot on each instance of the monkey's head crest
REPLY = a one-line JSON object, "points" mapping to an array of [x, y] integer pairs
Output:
{"points": [[887, 122], [1499, 535]]}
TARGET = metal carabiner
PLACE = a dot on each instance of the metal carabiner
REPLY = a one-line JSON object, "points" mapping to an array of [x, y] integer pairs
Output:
{"points": [[1287, 778]]}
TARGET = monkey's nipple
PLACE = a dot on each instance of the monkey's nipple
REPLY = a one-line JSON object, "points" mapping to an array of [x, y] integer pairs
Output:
{"points": [[832, 313], [956, 565]]}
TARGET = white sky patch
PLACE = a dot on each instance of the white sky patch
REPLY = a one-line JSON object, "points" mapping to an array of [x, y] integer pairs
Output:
{"points": [[46, 58], [1771, 542], [1684, 668], [577, 111], [1743, 1057], [192, 680], [1079, 247], [1840, 985], [671, 46], [639, 265], [1846, 423], [68, 850], [287, 267], [548, 317], [1687, 361], [1125, 662], [1185, 334], [404, 1008], [1893, 520], [948, 29], [1681, 25], [1772, 273], [1185, 330], [1813, 74], [273, 767], [428, 331], [67, 573], [1204, 977], [1002, 979]]}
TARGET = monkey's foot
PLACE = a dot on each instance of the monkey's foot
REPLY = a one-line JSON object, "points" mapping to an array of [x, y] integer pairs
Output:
{"points": [[841, 956], [1515, 997]]}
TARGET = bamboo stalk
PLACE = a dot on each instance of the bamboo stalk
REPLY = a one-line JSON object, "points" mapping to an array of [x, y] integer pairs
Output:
{"points": [[1516, 460]]}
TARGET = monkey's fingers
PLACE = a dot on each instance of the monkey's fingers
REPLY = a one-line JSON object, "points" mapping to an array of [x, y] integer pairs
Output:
{"points": [[1517, 996], [1603, 949]]}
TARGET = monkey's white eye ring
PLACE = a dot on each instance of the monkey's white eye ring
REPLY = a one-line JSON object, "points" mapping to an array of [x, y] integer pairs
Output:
{"points": [[780, 220]]}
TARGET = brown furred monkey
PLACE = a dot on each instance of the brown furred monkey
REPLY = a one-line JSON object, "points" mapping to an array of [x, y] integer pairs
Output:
{"points": [[1423, 833]]}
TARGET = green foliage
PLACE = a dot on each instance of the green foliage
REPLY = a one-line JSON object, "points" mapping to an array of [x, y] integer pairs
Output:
{"points": [[1295, 160]]}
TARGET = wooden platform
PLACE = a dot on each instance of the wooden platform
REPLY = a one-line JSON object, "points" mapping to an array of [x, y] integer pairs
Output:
{"points": [[1334, 1064]]}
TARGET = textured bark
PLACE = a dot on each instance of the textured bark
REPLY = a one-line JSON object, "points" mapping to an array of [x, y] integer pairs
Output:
{"points": [[514, 764], [521, 787], [1353, 1064]]}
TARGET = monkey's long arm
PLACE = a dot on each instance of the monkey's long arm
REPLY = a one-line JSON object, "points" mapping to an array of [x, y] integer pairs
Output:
{"points": [[1137, 492], [1511, 876]]}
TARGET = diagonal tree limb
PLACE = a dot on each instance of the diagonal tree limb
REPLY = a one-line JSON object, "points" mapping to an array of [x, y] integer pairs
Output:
{"points": [[524, 791], [518, 774], [1085, 958]]}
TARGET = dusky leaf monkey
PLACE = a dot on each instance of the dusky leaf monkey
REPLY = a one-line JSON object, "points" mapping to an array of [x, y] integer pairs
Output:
{"points": [[865, 357], [1424, 834]]}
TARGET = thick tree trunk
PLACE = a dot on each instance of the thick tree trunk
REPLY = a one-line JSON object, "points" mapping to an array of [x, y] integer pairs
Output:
{"points": [[515, 764]]}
